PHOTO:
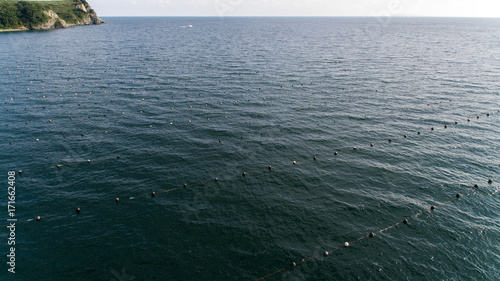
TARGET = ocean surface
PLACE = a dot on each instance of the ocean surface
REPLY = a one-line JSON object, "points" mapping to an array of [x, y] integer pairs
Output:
{"points": [[363, 122]]}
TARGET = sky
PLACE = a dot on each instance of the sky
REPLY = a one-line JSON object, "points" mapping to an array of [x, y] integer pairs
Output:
{"points": [[385, 8]]}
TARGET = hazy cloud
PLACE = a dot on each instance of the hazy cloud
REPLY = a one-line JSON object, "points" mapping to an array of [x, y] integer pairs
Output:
{"points": [[460, 8]]}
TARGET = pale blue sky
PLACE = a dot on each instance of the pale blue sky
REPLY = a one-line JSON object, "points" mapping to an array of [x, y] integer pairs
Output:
{"points": [[446, 8]]}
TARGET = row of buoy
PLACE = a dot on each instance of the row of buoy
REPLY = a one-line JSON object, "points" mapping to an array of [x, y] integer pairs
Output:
{"points": [[294, 162], [105, 131], [190, 120], [185, 185], [405, 221], [346, 244], [111, 66], [140, 111], [350, 100]]}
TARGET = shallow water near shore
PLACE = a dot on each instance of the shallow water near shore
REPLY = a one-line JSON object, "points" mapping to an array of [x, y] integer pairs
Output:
{"points": [[142, 105]]}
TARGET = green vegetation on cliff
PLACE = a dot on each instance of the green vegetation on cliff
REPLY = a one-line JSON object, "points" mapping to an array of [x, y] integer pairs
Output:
{"points": [[16, 14], [28, 14]]}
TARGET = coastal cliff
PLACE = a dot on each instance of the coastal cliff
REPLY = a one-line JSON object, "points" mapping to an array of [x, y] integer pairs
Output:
{"points": [[45, 15]]}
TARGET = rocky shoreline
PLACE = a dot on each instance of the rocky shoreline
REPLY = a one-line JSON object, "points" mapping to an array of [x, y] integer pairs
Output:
{"points": [[56, 22]]}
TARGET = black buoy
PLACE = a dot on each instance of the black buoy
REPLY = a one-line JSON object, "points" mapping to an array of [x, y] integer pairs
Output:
{"points": [[314, 158], [20, 172], [445, 126], [293, 265], [456, 122], [432, 208], [153, 194], [468, 120], [38, 218], [269, 167], [117, 200], [389, 140], [405, 136], [371, 144], [371, 235], [244, 174], [405, 221], [432, 129], [83, 135], [326, 254], [490, 181], [185, 185], [118, 156], [335, 153], [216, 179], [418, 133], [78, 210], [458, 195], [354, 148]]}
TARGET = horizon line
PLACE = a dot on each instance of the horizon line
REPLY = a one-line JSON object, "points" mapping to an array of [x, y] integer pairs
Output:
{"points": [[295, 16]]}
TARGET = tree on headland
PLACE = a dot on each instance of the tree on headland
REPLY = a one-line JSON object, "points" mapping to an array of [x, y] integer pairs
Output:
{"points": [[22, 13], [31, 14], [9, 15]]}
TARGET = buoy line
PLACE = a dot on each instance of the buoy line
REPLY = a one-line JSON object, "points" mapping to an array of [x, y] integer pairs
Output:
{"points": [[105, 114], [153, 194], [405, 136], [62, 165], [243, 174], [305, 88], [293, 88], [405, 221], [115, 115]]}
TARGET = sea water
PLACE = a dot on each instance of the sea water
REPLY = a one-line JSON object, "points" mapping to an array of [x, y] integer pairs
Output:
{"points": [[142, 105]]}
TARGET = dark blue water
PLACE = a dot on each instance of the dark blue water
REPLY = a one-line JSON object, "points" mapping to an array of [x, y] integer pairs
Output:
{"points": [[187, 100]]}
